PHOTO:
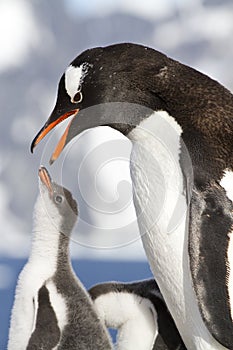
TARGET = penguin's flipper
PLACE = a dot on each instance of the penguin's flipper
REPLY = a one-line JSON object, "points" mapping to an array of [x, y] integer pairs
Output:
{"points": [[46, 332], [210, 242]]}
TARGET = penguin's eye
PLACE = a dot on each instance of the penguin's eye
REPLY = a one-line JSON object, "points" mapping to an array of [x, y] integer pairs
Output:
{"points": [[58, 199], [77, 97]]}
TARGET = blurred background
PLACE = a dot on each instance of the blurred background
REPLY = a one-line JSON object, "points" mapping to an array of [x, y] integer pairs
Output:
{"points": [[38, 39]]}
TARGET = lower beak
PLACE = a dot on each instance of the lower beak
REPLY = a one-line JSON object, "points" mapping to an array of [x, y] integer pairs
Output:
{"points": [[46, 179], [49, 125], [61, 144]]}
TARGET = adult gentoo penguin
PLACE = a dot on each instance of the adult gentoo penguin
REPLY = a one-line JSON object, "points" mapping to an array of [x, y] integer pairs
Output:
{"points": [[180, 124], [137, 310], [52, 310]]}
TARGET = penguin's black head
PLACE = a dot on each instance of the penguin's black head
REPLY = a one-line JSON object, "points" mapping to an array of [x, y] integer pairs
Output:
{"points": [[120, 85], [114, 74]]}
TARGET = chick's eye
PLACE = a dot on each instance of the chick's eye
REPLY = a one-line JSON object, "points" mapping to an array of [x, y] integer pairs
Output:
{"points": [[77, 97], [58, 199]]}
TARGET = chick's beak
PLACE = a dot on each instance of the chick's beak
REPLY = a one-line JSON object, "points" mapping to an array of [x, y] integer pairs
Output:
{"points": [[50, 124], [45, 179]]}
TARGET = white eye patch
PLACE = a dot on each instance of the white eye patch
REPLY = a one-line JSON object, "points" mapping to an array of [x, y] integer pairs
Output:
{"points": [[74, 77]]}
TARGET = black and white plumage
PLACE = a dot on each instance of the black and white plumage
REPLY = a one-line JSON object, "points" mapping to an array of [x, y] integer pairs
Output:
{"points": [[137, 310], [52, 310], [182, 121]]}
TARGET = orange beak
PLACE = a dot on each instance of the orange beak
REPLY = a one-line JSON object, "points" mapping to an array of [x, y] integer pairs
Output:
{"points": [[49, 125], [61, 144], [46, 179]]}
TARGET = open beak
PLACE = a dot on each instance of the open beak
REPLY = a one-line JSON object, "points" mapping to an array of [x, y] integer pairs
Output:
{"points": [[91, 117], [49, 125], [45, 179]]}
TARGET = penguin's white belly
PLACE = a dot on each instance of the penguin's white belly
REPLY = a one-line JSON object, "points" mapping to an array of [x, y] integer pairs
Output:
{"points": [[161, 209], [24, 312]]}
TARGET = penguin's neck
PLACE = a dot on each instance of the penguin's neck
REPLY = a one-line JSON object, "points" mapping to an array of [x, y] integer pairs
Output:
{"points": [[49, 246], [161, 203]]}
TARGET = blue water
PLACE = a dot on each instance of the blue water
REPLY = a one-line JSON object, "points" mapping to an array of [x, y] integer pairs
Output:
{"points": [[90, 272]]}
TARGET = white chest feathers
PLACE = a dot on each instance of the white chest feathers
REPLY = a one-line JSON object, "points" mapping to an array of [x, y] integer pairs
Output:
{"points": [[158, 185], [160, 198]]}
